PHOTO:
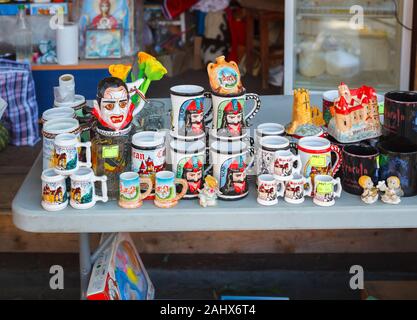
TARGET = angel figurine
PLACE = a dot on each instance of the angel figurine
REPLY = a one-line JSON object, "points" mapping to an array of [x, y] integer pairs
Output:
{"points": [[208, 195], [393, 192], [370, 193]]}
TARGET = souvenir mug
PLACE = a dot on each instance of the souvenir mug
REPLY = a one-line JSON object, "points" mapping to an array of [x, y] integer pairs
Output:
{"points": [[286, 164], [316, 157], [50, 130], [398, 158], [165, 189], [229, 161], [130, 194], [297, 188], [188, 160], [188, 116], [268, 129], [148, 154], [265, 155], [58, 113], [269, 189], [66, 153], [229, 116], [326, 189], [54, 191], [83, 194], [359, 160], [400, 114], [329, 98]]}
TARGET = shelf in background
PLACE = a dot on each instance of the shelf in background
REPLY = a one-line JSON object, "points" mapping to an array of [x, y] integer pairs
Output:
{"points": [[82, 65]]}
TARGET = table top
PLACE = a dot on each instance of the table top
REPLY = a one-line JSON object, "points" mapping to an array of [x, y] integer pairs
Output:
{"points": [[246, 214]]}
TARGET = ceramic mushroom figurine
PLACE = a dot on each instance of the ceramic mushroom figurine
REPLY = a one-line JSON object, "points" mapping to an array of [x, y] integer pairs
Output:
{"points": [[392, 189], [370, 193], [208, 195]]}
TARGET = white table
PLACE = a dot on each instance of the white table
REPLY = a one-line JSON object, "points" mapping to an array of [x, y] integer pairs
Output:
{"points": [[349, 212]]}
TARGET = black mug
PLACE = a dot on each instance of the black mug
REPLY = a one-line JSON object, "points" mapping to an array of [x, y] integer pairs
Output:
{"points": [[359, 160], [398, 158], [400, 115]]}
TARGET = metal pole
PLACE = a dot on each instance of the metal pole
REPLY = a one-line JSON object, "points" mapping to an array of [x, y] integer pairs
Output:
{"points": [[85, 263]]}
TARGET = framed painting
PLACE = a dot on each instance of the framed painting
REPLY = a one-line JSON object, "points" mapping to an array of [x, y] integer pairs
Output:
{"points": [[103, 44]]}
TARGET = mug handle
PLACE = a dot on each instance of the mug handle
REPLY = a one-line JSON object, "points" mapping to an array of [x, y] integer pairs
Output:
{"points": [[208, 121], [148, 191], [281, 192], [298, 168], [104, 197], [184, 190], [338, 191], [309, 191], [338, 162], [206, 172], [87, 146], [256, 108]]}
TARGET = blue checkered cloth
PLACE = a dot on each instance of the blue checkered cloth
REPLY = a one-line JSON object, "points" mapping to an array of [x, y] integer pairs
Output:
{"points": [[17, 88]]}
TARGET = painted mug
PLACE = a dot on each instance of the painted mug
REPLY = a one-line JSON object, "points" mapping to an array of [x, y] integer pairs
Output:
{"points": [[66, 153], [230, 162], [229, 113], [58, 113], [268, 129], [188, 110], [329, 97], [286, 164], [130, 196], [265, 154], [165, 189], [269, 189], [316, 157], [50, 130], [83, 194], [188, 160], [297, 188], [54, 191], [326, 190], [359, 160]]}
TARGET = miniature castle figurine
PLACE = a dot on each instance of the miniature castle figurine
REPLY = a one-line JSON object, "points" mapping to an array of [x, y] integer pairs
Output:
{"points": [[370, 193], [208, 195], [356, 115], [302, 111], [393, 191]]}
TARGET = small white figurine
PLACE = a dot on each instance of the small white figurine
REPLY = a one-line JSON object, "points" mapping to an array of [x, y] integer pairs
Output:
{"points": [[393, 191], [208, 195], [370, 193]]}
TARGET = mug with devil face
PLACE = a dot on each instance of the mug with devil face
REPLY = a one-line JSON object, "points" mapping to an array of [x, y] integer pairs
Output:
{"points": [[113, 108]]}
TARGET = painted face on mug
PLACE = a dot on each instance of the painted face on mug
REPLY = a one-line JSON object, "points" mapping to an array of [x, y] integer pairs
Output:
{"points": [[114, 106]]}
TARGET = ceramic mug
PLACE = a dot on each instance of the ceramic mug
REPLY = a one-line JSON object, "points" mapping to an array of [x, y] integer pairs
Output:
{"points": [[398, 158], [265, 154], [230, 164], [268, 129], [83, 189], [58, 113], [54, 191], [130, 196], [50, 130], [188, 111], [66, 153], [316, 157], [229, 116], [165, 189], [400, 114], [188, 160], [359, 160], [148, 154], [295, 189], [329, 98], [326, 190], [269, 189], [286, 164]]}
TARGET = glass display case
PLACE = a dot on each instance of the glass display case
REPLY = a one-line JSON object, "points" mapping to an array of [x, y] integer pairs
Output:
{"points": [[357, 42]]}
